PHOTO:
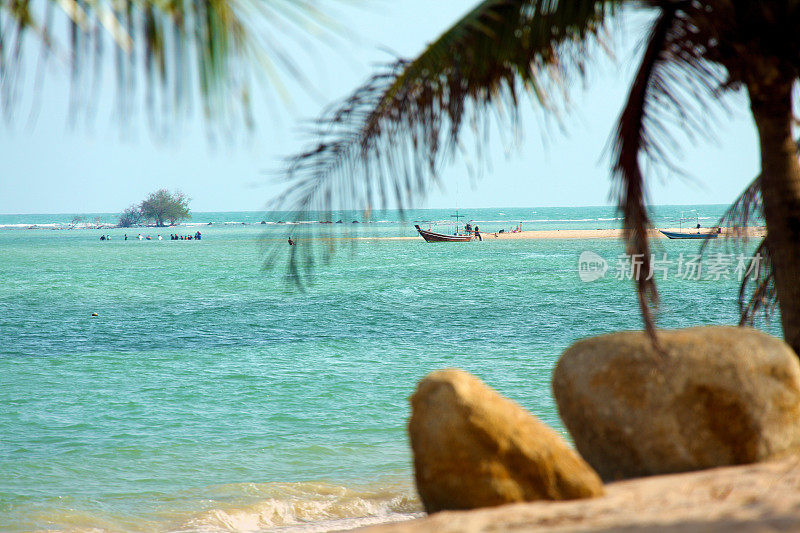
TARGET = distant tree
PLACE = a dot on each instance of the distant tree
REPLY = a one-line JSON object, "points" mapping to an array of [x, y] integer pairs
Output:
{"points": [[163, 206], [77, 219], [130, 217]]}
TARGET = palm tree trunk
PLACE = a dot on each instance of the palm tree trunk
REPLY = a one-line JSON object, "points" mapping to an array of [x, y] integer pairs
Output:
{"points": [[771, 105]]}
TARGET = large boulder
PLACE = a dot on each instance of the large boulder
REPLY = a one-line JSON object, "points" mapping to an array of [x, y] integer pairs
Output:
{"points": [[473, 448], [715, 396]]}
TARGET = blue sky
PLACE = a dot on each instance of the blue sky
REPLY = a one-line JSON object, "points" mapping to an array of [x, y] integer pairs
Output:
{"points": [[50, 168]]}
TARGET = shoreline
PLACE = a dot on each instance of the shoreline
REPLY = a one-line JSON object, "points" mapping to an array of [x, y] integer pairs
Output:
{"points": [[551, 234], [654, 233]]}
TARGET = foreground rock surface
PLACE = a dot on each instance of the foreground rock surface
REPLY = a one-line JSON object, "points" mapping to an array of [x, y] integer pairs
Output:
{"points": [[760, 497], [717, 396], [473, 448]]}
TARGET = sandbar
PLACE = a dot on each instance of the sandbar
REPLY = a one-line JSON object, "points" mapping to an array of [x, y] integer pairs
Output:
{"points": [[579, 234]]}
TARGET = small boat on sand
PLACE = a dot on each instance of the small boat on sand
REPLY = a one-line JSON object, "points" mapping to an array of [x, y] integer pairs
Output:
{"points": [[685, 234], [432, 236], [455, 236], [681, 235]]}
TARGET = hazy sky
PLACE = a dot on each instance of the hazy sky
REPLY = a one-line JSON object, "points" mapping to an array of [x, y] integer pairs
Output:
{"points": [[50, 168]]}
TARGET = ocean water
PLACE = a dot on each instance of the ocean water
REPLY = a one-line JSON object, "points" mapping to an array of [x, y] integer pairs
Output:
{"points": [[211, 395]]}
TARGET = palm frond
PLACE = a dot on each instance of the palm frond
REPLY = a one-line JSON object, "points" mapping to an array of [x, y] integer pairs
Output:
{"points": [[386, 143], [179, 48], [746, 209], [632, 138], [757, 290], [671, 84], [739, 215], [762, 296]]}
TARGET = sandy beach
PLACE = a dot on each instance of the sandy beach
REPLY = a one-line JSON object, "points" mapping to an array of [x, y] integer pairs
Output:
{"points": [[756, 497], [605, 233], [655, 233]]}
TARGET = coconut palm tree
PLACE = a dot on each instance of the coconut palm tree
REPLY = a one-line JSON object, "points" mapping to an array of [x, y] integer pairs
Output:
{"points": [[389, 139], [173, 49]]}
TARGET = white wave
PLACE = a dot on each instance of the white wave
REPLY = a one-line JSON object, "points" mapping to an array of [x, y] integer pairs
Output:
{"points": [[17, 226], [346, 524], [562, 220], [309, 507], [47, 225]]}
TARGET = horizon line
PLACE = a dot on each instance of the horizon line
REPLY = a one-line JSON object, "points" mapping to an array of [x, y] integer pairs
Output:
{"points": [[356, 210]]}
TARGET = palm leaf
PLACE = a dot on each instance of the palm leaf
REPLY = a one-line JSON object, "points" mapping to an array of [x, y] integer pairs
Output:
{"points": [[672, 78], [760, 286], [213, 48], [757, 291], [744, 210], [387, 142]]}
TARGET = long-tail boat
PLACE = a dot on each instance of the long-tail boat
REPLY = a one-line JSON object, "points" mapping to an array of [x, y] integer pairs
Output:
{"points": [[680, 235], [685, 234], [432, 236]]}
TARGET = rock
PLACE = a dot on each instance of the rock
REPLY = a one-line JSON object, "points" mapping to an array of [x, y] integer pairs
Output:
{"points": [[719, 395], [474, 448]]}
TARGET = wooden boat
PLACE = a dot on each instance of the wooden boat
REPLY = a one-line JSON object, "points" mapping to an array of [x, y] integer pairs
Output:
{"points": [[680, 235], [432, 236], [686, 235]]}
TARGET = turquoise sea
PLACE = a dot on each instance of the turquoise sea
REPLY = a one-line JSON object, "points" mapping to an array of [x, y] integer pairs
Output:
{"points": [[211, 395]]}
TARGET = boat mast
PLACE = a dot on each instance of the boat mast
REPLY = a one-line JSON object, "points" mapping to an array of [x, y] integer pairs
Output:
{"points": [[457, 217]]}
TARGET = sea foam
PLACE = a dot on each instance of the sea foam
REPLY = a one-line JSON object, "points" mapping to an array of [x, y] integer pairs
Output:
{"points": [[309, 506]]}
